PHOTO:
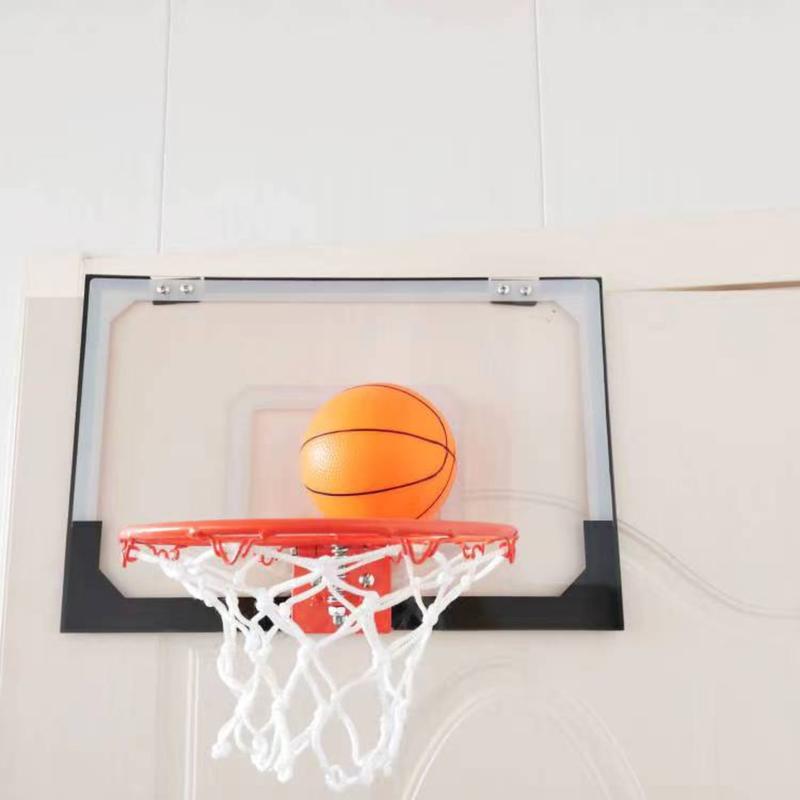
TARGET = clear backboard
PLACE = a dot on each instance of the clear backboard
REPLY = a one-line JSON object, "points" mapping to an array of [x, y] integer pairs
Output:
{"points": [[194, 393]]}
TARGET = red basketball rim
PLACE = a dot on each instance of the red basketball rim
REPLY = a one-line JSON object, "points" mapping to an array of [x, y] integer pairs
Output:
{"points": [[413, 535]]}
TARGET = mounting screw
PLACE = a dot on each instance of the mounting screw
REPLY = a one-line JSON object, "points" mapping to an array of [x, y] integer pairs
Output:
{"points": [[187, 288], [162, 288], [503, 288], [367, 580], [338, 614], [525, 290]]}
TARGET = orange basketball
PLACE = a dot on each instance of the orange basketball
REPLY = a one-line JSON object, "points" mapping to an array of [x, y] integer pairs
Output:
{"points": [[378, 450]]}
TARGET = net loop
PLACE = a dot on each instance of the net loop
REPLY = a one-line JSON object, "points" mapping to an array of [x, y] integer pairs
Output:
{"points": [[419, 554], [241, 548]]}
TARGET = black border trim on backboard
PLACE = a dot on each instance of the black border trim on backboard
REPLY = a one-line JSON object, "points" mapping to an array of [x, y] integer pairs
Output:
{"points": [[92, 604]]}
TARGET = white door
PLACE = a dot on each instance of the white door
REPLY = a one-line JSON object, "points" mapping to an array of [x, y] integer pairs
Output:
{"points": [[694, 698]]}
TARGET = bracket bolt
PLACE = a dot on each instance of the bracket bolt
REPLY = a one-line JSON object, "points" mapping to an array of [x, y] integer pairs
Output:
{"points": [[162, 288], [367, 580], [525, 290], [503, 288], [187, 288]]}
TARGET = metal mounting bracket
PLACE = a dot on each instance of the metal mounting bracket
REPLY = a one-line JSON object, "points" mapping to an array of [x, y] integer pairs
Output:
{"points": [[176, 290], [513, 291]]}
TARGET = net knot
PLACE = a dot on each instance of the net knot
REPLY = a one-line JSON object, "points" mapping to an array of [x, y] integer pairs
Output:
{"points": [[329, 570], [260, 747], [221, 749], [252, 643], [262, 601], [280, 706]]}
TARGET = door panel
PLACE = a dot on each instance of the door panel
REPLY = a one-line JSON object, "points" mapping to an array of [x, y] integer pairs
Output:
{"points": [[696, 698]]}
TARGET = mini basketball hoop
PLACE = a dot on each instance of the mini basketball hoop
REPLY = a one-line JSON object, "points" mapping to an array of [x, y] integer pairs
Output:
{"points": [[341, 584]]}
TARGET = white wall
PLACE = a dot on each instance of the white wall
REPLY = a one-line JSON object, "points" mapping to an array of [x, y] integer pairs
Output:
{"points": [[141, 125]]}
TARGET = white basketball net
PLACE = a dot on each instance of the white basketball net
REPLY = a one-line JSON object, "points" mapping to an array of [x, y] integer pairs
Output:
{"points": [[244, 660]]}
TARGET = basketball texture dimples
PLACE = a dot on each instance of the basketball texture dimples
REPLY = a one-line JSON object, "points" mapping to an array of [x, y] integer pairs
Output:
{"points": [[378, 450]]}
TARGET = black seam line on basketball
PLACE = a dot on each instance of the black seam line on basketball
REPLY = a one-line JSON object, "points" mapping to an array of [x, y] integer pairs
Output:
{"points": [[381, 491], [379, 430], [392, 488], [419, 400], [441, 422], [436, 499]]}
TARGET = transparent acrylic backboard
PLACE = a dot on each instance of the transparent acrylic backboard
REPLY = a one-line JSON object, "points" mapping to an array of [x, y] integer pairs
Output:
{"points": [[194, 395]]}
